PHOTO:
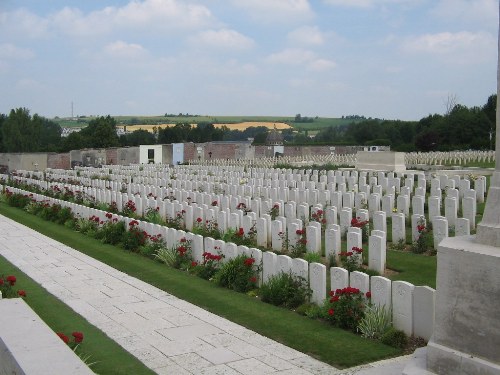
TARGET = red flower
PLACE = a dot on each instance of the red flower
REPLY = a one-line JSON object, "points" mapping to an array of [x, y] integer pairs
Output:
{"points": [[63, 337], [11, 279], [21, 293], [331, 312], [253, 279], [368, 294], [183, 239], [109, 215], [214, 203], [1, 281], [194, 264], [241, 232], [334, 299], [249, 262], [420, 228], [357, 250], [299, 232], [199, 220], [78, 337]]}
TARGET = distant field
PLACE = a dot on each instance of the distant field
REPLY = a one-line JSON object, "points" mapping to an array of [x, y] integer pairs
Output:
{"points": [[232, 122], [231, 126]]}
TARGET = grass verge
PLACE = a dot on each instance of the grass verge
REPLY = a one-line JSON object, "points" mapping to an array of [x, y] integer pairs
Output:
{"points": [[417, 269], [109, 357], [335, 346]]}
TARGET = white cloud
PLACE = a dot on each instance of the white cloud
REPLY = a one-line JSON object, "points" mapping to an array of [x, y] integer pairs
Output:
{"points": [[307, 35], [276, 11], [291, 56], [11, 52], [23, 23], [484, 11], [460, 47], [320, 65], [146, 16], [296, 56], [368, 3], [124, 50], [224, 38]]}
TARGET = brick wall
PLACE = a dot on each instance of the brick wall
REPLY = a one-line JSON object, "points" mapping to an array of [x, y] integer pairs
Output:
{"points": [[59, 161], [111, 156], [190, 152]]}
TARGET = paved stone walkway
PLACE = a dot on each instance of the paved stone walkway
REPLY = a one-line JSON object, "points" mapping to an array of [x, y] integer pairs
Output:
{"points": [[167, 334]]}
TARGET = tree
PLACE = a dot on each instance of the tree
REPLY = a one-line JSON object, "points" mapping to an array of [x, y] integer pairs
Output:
{"points": [[50, 134], [450, 102], [101, 133], [19, 133], [74, 141], [3, 118], [138, 137]]}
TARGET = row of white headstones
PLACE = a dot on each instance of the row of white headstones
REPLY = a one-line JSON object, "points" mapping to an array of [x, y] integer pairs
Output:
{"points": [[332, 233]]}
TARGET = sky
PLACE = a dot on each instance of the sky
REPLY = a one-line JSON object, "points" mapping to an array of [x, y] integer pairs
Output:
{"points": [[391, 59]]}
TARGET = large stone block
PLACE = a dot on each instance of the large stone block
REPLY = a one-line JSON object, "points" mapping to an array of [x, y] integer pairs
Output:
{"points": [[467, 329]]}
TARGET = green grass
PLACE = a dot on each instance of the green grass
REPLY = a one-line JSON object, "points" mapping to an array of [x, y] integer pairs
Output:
{"points": [[334, 346], [110, 357], [417, 269], [475, 164]]}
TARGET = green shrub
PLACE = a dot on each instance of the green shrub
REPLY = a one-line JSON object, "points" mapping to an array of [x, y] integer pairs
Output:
{"points": [[376, 322], [17, 199], [152, 246], [209, 267], [395, 338], [64, 215], [86, 226], [153, 216], [134, 237], [345, 308], [312, 257], [239, 274], [302, 309], [112, 232], [167, 256], [285, 290], [314, 312], [425, 240]]}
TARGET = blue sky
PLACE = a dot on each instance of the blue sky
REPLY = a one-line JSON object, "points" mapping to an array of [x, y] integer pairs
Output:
{"points": [[394, 59]]}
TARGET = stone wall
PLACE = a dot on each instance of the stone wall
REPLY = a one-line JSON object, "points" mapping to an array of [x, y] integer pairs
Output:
{"points": [[127, 155], [25, 161]]}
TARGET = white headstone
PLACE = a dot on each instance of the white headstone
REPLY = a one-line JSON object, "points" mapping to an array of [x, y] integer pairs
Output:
{"points": [[402, 306], [317, 282]]}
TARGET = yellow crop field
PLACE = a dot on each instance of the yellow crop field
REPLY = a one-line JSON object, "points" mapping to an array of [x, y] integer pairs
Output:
{"points": [[238, 126], [244, 125]]}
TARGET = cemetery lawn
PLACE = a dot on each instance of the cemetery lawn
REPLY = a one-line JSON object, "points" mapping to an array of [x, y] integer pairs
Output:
{"points": [[417, 269], [337, 347], [109, 357]]}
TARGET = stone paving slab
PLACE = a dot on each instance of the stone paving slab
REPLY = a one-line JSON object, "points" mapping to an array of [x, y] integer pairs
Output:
{"points": [[169, 335]]}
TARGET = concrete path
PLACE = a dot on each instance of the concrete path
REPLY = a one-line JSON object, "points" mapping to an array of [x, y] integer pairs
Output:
{"points": [[167, 334]]}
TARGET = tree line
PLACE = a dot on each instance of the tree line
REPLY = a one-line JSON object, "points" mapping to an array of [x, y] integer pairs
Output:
{"points": [[460, 128]]}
